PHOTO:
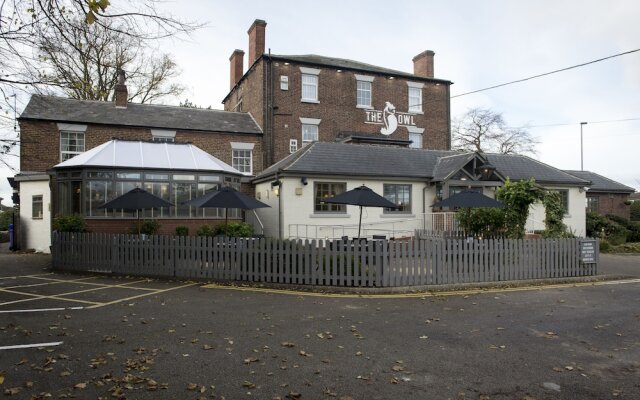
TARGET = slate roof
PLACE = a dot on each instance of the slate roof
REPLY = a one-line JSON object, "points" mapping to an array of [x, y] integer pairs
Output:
{"points": [[60, 109], [153, 155], [601, 183], [326, 158], [342, 63]]}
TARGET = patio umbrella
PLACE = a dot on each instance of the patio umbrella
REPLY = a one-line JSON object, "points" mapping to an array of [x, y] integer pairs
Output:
{"points": [[226, 198], [469, 199], [363, 197], [135, 200]]}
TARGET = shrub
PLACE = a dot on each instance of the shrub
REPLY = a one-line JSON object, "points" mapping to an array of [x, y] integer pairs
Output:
{"points": [[482, 221], [69, 223], [6, 218], [205, 230], [633, 228], [554, 216], [602, 227], [635, 211], [147, 227], [605, 246], [182, 231], [235, 229], [517, 197]]}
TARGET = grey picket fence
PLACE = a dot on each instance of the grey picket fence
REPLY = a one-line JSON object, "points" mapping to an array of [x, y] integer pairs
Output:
{"points": [[374, 263]]}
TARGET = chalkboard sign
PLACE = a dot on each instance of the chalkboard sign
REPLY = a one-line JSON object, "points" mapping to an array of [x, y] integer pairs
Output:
{"points": [[588, 251]]}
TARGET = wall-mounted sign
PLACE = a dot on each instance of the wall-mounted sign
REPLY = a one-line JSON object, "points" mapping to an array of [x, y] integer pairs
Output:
{"points": [[390, 118]]}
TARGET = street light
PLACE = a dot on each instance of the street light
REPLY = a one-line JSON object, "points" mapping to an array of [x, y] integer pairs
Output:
{"points": [[581, 148]]}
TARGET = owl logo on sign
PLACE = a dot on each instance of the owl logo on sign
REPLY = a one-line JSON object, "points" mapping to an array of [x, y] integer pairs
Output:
{"points": [[389, 119]]}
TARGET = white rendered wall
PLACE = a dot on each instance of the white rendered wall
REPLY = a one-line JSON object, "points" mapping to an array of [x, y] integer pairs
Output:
{"points": [[575, 219], [36, 233]]}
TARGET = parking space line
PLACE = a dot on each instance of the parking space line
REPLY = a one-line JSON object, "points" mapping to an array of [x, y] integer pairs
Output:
{"points": [[40, 297], [24, 276], [53, 282], [40, 310], [143, 295], [21, 300], [57, 297], [26, 346]]}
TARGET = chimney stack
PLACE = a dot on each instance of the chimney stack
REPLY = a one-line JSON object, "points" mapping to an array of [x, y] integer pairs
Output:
{"points": [[423, 64], [236, 60], [121, 94], [256, 40]]}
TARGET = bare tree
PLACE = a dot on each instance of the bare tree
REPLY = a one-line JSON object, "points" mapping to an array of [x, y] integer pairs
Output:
{"points": [[85, 65], [27, 25], [481, 129]]}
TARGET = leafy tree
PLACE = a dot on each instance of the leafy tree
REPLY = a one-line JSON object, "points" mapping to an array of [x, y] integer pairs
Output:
{"points": [[189, 104], [481, 129], [518, 197], [6, 218]]}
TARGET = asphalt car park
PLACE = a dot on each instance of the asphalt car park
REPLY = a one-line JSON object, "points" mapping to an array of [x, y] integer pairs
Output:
{"points": [[88, 336]]}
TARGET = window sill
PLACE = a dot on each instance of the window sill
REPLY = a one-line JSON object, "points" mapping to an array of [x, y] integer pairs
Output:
{"points": [[364, 107], [397, 215], [416, 112], [330, 215], [310, 101]]}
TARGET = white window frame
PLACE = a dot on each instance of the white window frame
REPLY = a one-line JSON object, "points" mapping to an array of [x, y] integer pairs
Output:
{"points": [[72, 129], [415, 132], [293, 145], [309, 123], [284, 82], [37, 199], [415, 92], [364, 81], [244, 148], [163, 135], [311, 74]]}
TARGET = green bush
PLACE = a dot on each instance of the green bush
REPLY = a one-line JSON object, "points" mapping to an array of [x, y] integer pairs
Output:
{"points": [[6, 218], [635, 211], [182, 231], [69, 223], [482, 222], [605, 246], [517, 197], [633, 228], [147, 227], [205, 230], [235, 229], [555, 228], [626, 248], [602, 227]]}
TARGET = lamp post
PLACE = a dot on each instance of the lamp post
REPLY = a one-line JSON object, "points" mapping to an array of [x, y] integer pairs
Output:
{"points": [[581, 147]]}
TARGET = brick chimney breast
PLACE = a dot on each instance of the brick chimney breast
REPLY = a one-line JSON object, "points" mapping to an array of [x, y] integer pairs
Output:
{"points": [[423, 64], [256, 40], [121, 93], [237, 65]]}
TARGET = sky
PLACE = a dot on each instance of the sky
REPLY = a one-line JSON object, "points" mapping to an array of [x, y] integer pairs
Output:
{"points": [[477, 45]]}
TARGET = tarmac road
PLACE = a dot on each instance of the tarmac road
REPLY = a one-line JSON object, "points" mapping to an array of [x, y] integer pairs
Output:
{"points": [[191, 342]]}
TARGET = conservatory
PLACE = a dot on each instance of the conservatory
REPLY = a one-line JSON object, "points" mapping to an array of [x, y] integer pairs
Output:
{"points": [[172, 171]]}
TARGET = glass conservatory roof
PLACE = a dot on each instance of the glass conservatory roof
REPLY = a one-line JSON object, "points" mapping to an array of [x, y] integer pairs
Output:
{"points": [[152, 155]]}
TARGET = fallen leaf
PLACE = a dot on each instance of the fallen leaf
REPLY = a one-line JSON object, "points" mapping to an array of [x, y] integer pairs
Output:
{"points": [[192, 386], [250, 360], [12, 391], [2, 373], [248, 385], [207, 347], [81, 385], [287, 344], [397, 368]]}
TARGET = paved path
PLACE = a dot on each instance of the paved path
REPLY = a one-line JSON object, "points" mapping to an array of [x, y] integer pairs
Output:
{"points": [[562, 343]]}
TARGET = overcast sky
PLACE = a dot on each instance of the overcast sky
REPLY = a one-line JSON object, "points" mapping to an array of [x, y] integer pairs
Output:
{"points": [[477, 44]]}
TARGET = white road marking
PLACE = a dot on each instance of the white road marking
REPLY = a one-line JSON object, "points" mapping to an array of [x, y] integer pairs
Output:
{"points": [[26, 346], [40, 310]]}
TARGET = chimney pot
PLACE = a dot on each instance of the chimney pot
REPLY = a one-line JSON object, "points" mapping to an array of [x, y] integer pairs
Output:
{"points": [[121, 93], [236, 61], [256, 40], [423, 64]]}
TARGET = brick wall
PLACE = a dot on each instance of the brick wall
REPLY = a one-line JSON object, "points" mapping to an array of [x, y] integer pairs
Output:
{"points": [[612, 203], [337, 106], [40, 142]]}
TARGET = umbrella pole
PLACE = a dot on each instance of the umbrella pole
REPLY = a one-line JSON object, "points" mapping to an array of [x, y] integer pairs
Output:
{"points": [[138, 215], [360, 223], [226, 222]]}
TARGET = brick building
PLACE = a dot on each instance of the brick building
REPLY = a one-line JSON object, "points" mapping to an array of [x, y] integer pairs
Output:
{"points": [[54, 130], [300, 99], [606, 196]]}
